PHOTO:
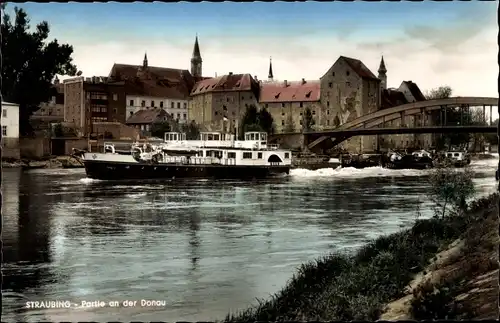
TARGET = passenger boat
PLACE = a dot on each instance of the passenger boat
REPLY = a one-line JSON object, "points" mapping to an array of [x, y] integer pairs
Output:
{"points": [[420, 159], [214, 155]]}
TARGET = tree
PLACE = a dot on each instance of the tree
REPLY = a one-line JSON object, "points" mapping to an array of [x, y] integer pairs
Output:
{"points": [[442, 92], [450, 187], [492, 138], [191, 130], [30, 63], [158, 129], [308, 120], [254, 120]]}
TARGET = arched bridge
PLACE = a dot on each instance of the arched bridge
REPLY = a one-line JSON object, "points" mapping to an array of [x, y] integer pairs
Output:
{"points": [[373, 123]]}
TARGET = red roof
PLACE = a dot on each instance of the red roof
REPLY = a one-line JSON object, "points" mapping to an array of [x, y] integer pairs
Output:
{"points": [[230, 82], [154, 81], [301, 91], [359, 67]]}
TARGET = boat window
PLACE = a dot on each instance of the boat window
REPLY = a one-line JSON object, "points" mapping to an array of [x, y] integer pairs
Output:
{"points": [[457, 154], [252, 136], [216, 137], [247, 137], [231, 154], [449, 155], [174, 136], [257, 136], [247, 155], [259, 155], [287, 155], [264, 136]]}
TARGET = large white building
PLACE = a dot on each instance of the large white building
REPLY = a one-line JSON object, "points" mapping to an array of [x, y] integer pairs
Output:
{"points": [[10, 130], [177, 108]]}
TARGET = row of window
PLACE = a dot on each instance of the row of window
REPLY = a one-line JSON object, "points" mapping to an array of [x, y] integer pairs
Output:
{"points": [[99, 119], [184, 115], [4, 130], [248, 155], [172, 104]]}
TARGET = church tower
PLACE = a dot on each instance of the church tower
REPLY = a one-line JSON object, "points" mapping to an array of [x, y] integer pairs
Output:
{"points": [[382, 74], [196, 60], [270, 75], [145, 61]]}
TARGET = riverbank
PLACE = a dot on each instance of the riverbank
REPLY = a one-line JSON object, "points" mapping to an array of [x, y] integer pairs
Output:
{"points": [[50, 163], [439, 269]]}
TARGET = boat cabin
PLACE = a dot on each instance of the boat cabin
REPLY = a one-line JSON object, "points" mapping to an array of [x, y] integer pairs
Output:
{"points": [[421, 153], [216, 136], [174, 136], [455, 155]]}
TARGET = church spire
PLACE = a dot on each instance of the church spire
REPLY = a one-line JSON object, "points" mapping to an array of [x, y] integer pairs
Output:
{"points": [[196, 61], [145, 61], [382, 74], [270, 76]]}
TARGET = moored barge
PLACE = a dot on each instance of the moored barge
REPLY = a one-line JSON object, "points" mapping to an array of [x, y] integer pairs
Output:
{"points": [[214, 155]]}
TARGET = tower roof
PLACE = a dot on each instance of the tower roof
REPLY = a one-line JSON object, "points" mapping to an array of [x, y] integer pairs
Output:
{"points": [[270, 68], [196, 49], [382, 68]]}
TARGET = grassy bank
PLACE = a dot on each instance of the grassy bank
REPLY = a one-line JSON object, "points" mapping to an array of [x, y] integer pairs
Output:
{"points": [[399, 276]]}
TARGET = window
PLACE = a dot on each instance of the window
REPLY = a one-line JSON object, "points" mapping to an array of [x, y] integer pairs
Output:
{"points": [[178, 105], [131, 103], [327, 122], [327, 111], [301, 114], [115, 97], [300, 122], [152, 103], [282, 113], [333, 73], [161, 104], [267, 106], [224, 108], [172, 105], [282, 105], [216, 113], [282, 122], [231, 155], [4, 130], [184, 116], [227, 99], [185, 105], [301, 104], [348, 83], [4, 113], [178, 115], [314, 112], [287, 155], [131, 113], [143, 103], [330, 85], [114, 110], [327, 103], [247, 155], [347, 73], [259, 155], [242, 97]]}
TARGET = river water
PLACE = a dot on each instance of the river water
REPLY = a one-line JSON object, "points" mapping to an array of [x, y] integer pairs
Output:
{"points": [[202, 248]]}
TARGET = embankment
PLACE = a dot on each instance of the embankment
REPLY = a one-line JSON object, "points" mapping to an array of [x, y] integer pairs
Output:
{"points": [[439, 269], [50, 162]]}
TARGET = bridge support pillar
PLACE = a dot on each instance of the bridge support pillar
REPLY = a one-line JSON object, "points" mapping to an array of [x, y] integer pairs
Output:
{"points": [[491, 115], [445, 115], [484, 113]]}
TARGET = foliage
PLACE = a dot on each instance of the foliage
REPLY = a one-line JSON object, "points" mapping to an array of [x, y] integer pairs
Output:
{"points": [[254, 120], [158, 129], [308, 120], [450, 187], [30, 63], [492, 138], [58, 130], [442, 92], [191, 130]]}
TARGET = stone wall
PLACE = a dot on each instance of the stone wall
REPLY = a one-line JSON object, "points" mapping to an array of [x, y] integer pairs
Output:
{"points": [[117, 130], [34, 147], [10, 148]]}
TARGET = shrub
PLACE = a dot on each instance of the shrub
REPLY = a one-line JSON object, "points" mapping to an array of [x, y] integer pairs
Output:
{"points": [[450, 188]]}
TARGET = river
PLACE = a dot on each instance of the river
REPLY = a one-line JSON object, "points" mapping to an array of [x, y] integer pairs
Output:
{"points": [[203, 248]]}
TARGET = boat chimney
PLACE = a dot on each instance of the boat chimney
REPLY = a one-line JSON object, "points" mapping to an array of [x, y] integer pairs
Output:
{"points": [[303, 81], [285, 82], [230, 73]]}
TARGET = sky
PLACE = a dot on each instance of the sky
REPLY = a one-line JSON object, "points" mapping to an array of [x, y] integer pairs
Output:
{"points": [[430, 43]]}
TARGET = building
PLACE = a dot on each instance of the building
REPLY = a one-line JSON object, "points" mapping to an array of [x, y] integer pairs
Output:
{"points": [[408, 92], [219, 103], [51, 111], [149, 87], [144, 119], [93, 99], [287, 102], [10, 130]]}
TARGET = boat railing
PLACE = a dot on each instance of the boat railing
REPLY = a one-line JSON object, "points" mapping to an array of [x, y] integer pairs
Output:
{"points": [[199, 160]]}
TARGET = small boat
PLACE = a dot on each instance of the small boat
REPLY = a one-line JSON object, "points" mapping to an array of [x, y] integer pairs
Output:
{"points": [[454, 158], [31, 166], [420, 159], [213, 155], [360, 161]]}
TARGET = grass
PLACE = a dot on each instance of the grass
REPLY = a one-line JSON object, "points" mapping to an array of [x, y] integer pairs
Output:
{"points": [[357, 287]]}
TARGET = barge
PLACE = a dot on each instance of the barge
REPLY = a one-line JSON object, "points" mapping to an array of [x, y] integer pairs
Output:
{"points": [[214, 155]]}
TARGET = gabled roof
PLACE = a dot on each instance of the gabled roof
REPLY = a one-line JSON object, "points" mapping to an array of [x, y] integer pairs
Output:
{"points": [[392, 98], [154, 81], [415, 90], [148, 116], [229, 82], [301, 91], [359, 67]]}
